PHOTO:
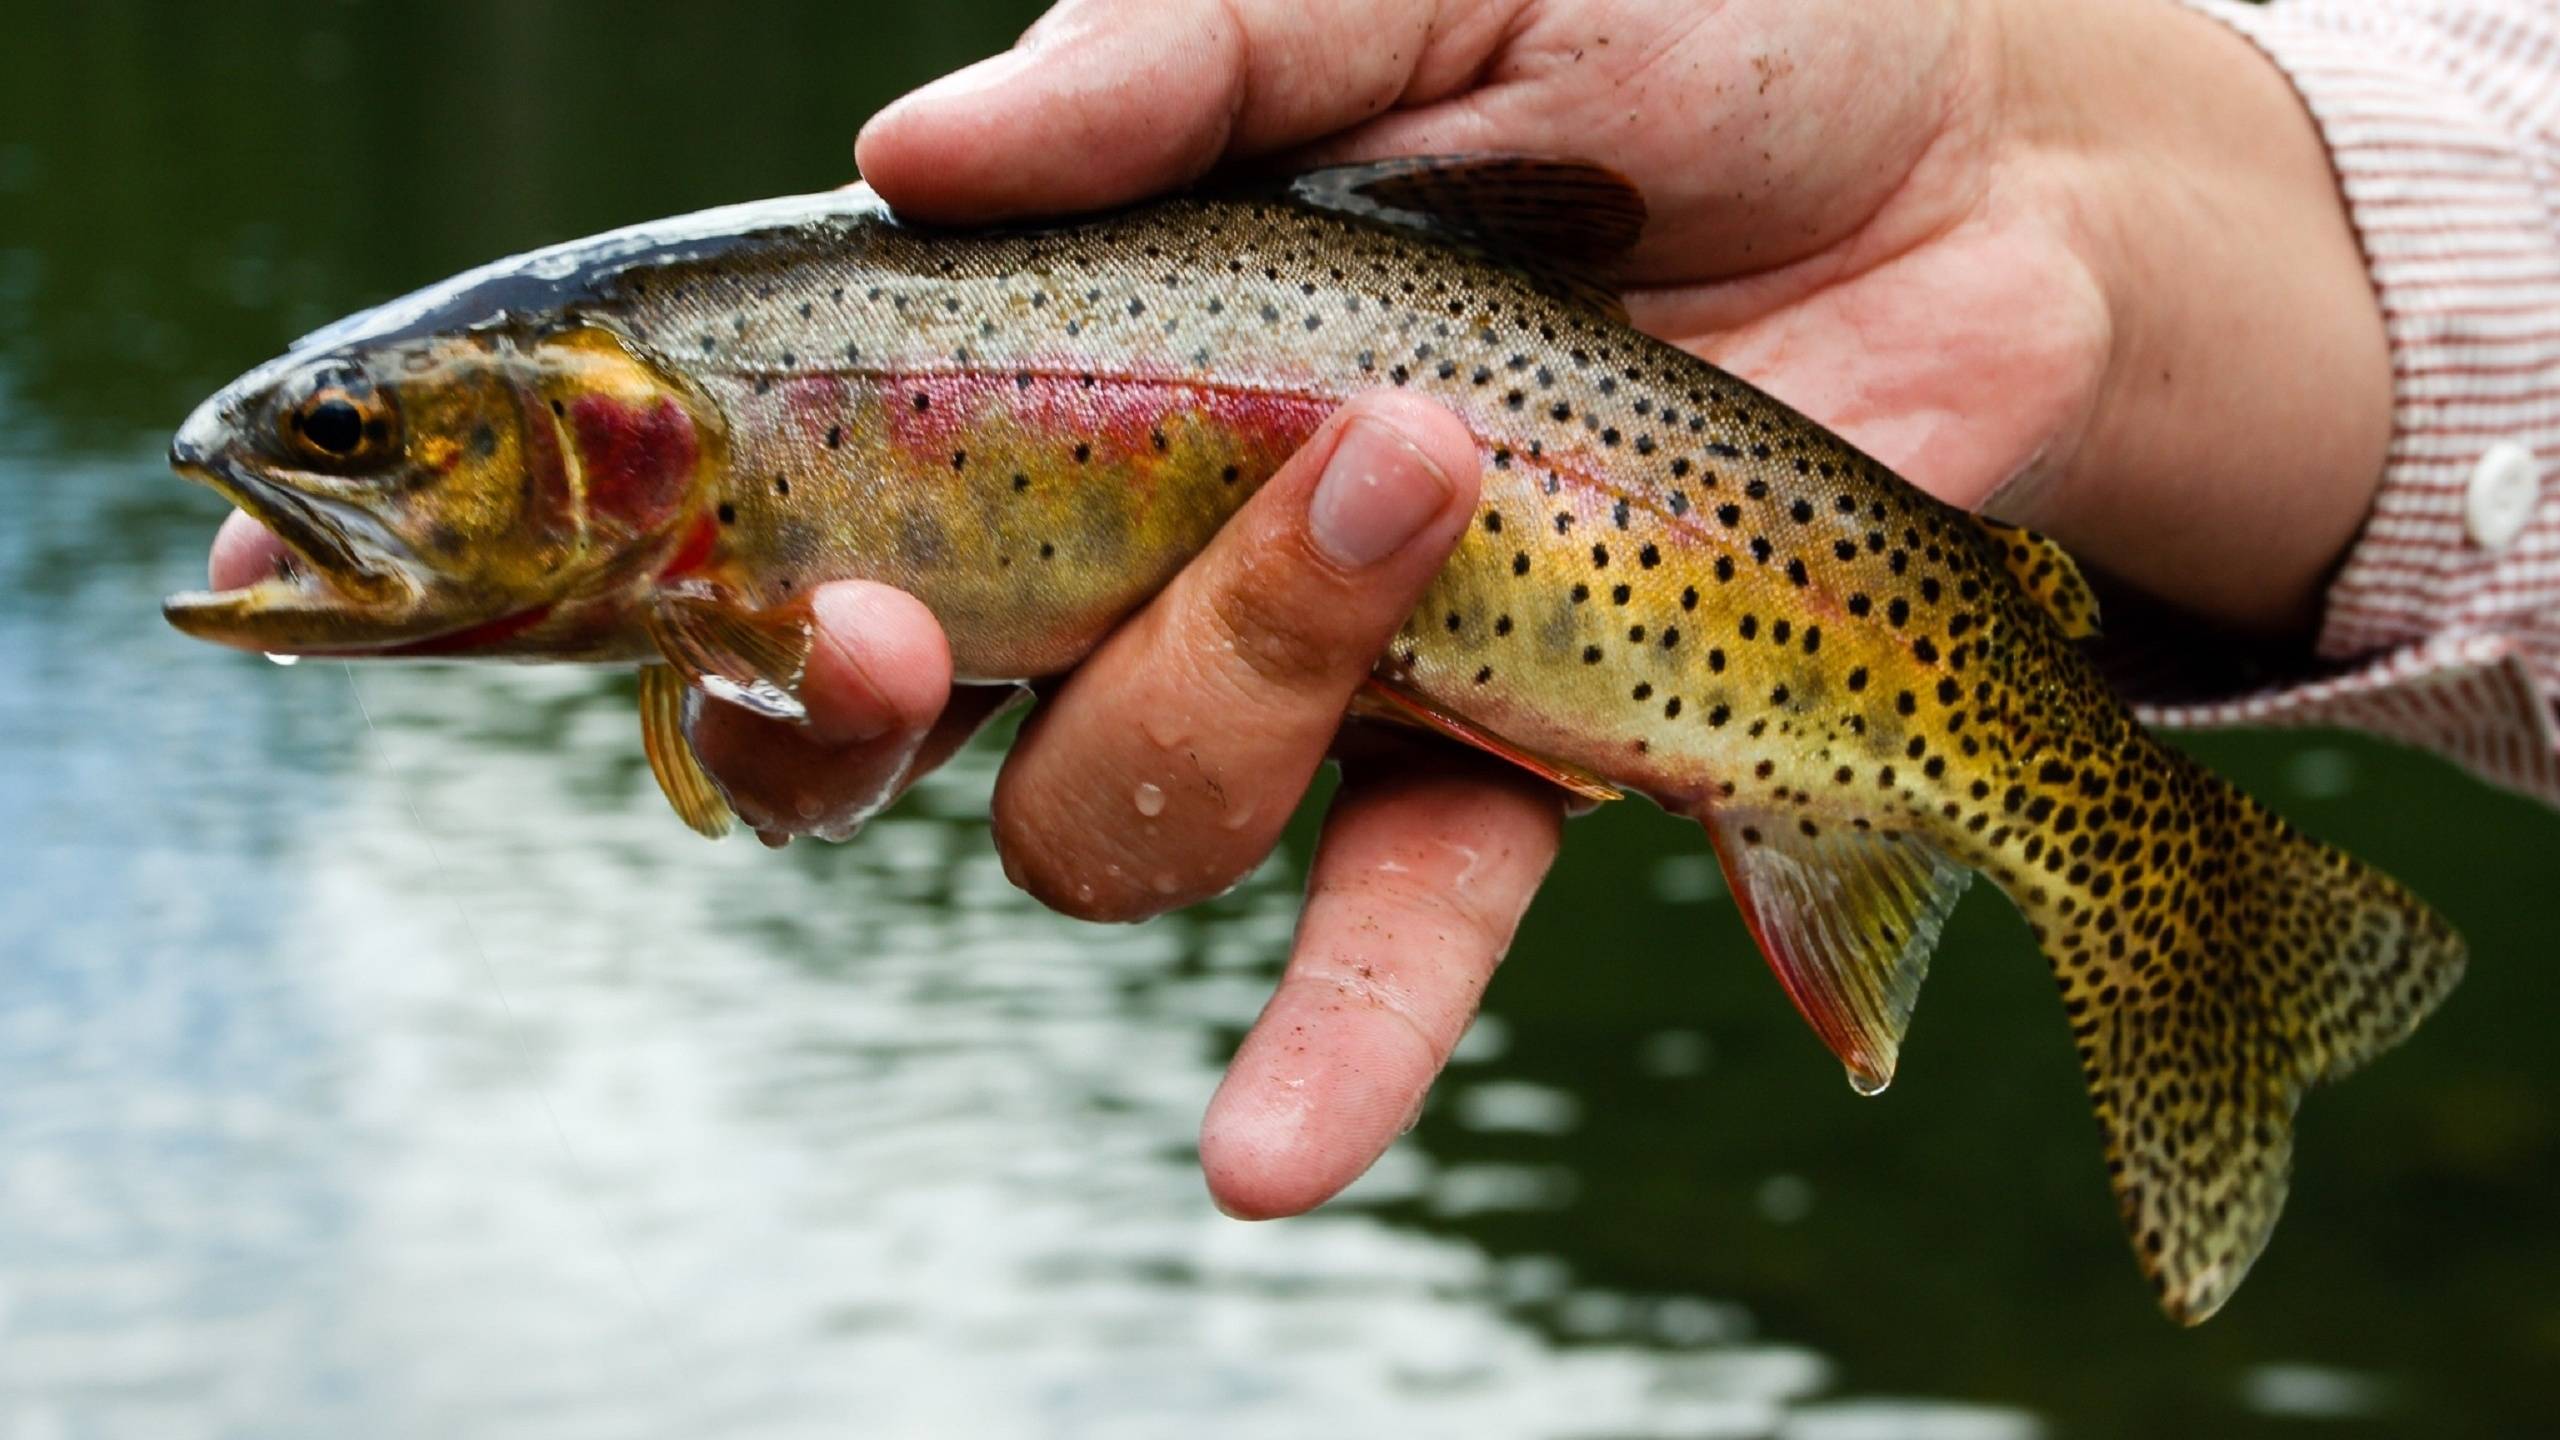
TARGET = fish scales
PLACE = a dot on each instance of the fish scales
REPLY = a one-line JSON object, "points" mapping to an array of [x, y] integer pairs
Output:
{"points": [[1672, 583], [1621, 468]]}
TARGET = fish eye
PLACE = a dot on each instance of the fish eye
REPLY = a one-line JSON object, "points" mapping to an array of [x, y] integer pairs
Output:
{"points": [[333, 423], [340, 420]]}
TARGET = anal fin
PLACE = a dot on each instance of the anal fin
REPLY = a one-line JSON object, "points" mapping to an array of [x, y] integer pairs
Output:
{"points": [[688, 787], [1847, 919], [1384, 700]]}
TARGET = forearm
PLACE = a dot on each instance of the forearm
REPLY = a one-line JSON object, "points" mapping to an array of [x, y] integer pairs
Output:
{"points": [[2248, 384], [2442, 622]]}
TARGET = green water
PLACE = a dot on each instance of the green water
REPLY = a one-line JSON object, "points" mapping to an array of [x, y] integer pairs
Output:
{"points": [[420, 1075]]}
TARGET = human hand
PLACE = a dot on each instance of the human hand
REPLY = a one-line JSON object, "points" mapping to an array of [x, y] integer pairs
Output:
{"points": [[2081, 263]]}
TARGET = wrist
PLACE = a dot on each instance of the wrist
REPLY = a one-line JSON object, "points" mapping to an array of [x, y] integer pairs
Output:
{"points": [[2241, 425]]}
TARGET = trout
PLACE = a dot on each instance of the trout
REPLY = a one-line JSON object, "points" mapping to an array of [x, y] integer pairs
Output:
{"points": [[647, 448]]}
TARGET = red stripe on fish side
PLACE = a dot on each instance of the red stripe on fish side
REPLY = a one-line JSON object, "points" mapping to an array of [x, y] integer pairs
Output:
{"points": [[638, 458], [1118, 415]]}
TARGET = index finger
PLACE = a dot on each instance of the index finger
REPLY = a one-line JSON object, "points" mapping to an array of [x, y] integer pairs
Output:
{"points": [[1105, 101], [1429, 857]]}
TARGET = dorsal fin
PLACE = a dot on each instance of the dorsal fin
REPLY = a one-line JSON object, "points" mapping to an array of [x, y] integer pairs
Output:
{"points": [[1568, 221], [2043, 570]]}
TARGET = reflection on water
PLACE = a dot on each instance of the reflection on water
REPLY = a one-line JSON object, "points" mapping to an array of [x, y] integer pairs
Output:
{"points": [[454, 1083], [386, 1061]]}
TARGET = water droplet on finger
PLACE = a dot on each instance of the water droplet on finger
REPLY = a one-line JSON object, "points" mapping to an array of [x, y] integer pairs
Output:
{"points": [[1150, 800], [275, 659]]}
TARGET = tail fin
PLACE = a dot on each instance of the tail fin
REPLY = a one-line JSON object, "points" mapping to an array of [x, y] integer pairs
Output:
{"points": [[2212, 973]]}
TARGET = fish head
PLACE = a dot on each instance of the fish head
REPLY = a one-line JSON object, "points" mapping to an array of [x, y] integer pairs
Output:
{"points": [[435, 494]]}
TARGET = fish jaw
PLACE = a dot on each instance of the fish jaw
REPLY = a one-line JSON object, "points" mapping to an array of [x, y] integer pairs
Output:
{"points": [[336, 583], [333, 587]]}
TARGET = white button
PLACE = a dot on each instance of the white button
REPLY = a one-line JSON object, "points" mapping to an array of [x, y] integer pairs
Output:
{"points": [[2504, 490]]}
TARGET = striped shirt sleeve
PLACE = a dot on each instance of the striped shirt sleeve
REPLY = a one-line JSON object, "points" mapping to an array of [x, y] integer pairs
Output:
{"points": [[2442, 628]]}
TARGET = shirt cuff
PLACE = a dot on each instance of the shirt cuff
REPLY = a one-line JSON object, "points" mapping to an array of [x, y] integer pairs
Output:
{"points": [[2443, 623]]}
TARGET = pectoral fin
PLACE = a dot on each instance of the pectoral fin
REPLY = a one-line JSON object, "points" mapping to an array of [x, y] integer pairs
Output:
{"points": [[680, 774], [1847, 919], [755, 659], [1378, 699]]}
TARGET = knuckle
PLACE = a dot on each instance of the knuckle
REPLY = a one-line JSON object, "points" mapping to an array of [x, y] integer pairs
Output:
{"points": [[1282, 637]]}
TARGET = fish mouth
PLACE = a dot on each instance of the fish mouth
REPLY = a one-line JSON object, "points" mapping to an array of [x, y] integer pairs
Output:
{"points": [[328, 593]]}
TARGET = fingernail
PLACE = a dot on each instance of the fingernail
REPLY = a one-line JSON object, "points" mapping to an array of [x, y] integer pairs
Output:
{"points": [[1377, 493]]}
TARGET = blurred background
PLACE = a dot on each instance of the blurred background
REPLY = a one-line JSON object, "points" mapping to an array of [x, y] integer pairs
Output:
{"points": [[389, 1061]]}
